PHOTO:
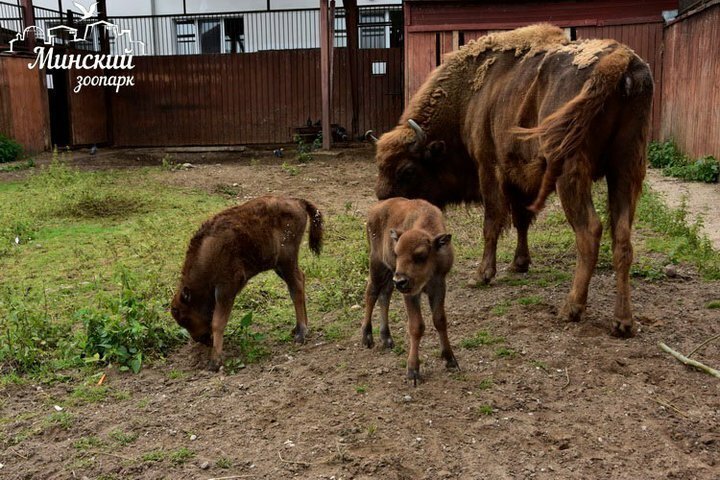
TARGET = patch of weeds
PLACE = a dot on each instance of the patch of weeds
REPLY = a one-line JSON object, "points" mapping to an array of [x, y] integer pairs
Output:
{"points": [[291, 170], [361, 389], [504, 352], [681, 240], [181, 455], [530, 300], [224, 463], [647, 268], [485, 410], [399, 349], [667, 155], [304, 150], [10, 150], [123, 438], [63, 420], [125, 328], [480, 338], [713, 304], [176, 375], [371, 430], [102, 204], [90, 393], [248, 341], [143, 403], [168, 163], [86, 443], [229, 190], [486, 384], [15, 167], [154, 456], [501, 308]]}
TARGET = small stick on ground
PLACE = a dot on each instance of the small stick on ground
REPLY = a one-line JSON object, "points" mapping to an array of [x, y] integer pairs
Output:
{"points": [[231, 477], [305, 464], [669, 405], [702, 345], [567, 377], [687, 361], [18, 453]]}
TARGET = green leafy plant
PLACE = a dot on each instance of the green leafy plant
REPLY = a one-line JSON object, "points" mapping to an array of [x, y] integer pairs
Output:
{"points": [[480, 338], [667, 155], [124, 328], [10, 150]]}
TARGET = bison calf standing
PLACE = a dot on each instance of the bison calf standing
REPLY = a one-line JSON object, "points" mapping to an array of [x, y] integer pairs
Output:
{"points": [[230, 249], [410, 250]]}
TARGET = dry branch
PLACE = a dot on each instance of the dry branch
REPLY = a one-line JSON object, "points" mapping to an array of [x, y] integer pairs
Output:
{"points": [[687, 361], [702, 345]]}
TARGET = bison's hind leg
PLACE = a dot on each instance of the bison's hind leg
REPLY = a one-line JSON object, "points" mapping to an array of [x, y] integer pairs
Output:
{"points": [[522, 218], [295, 279]]}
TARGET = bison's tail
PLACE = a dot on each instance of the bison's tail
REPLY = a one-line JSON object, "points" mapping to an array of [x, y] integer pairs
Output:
{"points": [[316, 226], [563, 134]]}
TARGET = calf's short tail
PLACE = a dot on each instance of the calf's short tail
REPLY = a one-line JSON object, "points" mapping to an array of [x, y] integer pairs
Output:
{"points": [[316, 226], [564, 133]]}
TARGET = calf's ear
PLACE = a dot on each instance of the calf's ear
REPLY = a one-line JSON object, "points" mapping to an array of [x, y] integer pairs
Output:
{"points": [[185, 295], [441, 240], [395, 234]]}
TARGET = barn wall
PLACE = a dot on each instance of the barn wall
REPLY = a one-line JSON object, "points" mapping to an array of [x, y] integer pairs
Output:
{"points": [[251, 98], [691, 89], [23, 104], [88, 112]]}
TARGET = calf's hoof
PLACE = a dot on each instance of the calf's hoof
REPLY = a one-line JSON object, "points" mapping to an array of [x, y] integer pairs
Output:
{"points": [[520, 265], [623, 328], [572, 312], [367, 339], [388, 342], [214, 365], [451, 363], [299, 333], [414, 375]]}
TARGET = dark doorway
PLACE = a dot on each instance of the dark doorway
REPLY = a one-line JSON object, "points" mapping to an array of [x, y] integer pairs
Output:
{"points": [[59, 107]]}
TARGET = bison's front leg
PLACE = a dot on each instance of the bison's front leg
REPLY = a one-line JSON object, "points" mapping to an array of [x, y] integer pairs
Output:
{"points": [[221, 315], [436, 296], [416, 328], [522, 218], [576, 198], [495, 218]]}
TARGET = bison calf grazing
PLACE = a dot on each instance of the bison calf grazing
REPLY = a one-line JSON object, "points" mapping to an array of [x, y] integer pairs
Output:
{"points": [[410, 251], [230, 249], [511, 117]]}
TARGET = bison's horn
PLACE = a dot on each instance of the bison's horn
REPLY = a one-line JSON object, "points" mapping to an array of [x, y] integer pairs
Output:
{"points": [[369, 136], [419, 133]]}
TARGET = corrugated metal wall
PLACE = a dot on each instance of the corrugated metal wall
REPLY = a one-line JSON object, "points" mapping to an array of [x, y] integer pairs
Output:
{"points": [[691, 83], [23, 104], [249, 98]]}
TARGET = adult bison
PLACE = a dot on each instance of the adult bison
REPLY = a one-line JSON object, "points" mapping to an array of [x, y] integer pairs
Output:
{"points": [[513, 116]]}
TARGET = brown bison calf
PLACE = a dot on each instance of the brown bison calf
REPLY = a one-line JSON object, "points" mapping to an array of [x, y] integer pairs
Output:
{"points": [[230, 249], [410, 250]]}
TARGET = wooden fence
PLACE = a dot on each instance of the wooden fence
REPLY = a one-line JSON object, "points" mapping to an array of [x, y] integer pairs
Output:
{"points": [[691, 82], [254, 98], [23, 104]]}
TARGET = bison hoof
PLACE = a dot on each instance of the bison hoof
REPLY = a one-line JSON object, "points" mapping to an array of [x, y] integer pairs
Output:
{"points": [[414, 375], [388, 342], [368, 340], [299, 332], [573, 312], [520, 265], [213, 365], [452, 363], [623, 328]]}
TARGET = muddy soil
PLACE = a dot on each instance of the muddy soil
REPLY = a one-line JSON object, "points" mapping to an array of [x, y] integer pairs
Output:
{"points": [[569, 401]]}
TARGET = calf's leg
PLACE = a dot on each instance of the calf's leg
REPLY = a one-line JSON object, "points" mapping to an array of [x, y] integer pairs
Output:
{"points": [[224, 300], [295, 279], [416, 328], [436, 295], [576, 198], [379, 287]]}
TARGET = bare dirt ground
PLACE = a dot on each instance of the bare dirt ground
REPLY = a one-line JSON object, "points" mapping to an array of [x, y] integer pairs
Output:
{"points": [[571, 403]]}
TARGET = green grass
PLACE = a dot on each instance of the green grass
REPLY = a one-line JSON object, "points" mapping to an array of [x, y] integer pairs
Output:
{"points": [[123, 438], [713, 304], [485, 410], [480, 338], [181, 455]]}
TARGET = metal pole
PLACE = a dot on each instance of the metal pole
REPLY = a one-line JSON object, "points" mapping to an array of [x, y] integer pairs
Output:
{"points": [[325, 74]]}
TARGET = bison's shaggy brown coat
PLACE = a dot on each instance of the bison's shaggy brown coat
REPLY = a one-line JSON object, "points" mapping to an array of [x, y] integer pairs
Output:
{"points": [[409, 250], [231, 248], [510, 118]]}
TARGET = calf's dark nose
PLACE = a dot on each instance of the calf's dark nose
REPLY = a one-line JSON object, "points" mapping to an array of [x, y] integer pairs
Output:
{"points": [[401, 282]]}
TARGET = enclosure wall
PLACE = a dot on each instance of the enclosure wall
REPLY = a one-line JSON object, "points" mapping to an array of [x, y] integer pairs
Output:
{"points": [[691, 83]]}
